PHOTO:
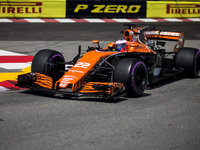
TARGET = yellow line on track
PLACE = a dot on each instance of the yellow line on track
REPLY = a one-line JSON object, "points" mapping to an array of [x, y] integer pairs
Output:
{"points": [[13, 75]]}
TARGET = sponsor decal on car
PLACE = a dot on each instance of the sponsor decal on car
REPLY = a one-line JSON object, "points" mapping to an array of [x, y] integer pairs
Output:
{"points": [[66, 80]]}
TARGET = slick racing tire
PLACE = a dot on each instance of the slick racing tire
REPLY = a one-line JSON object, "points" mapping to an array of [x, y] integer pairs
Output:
{"points": [[46, 62], [133, 73], [189, 60]]}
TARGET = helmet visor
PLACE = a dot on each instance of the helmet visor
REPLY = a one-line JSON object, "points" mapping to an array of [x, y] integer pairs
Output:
{"points": [[120, 46]]}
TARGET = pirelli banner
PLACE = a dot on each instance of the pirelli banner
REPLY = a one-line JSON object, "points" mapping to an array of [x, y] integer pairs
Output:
{"points": [[32, 8], [106, 8], [173, 9]]}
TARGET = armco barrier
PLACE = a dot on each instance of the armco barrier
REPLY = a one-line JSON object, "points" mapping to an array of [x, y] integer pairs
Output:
{"points": [[106, 9]]}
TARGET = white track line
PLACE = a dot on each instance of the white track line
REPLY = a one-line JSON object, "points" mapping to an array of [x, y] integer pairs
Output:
{"points": [[95, 20], [15, 65], [148, 20], [3, 89], [173, 20], [7, 53], [5, 20], [65, 20], [35, 20], [195, 19], [122, 20]]}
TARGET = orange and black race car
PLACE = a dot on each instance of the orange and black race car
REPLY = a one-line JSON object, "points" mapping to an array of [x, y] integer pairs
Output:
{"points": [[126, 66]]}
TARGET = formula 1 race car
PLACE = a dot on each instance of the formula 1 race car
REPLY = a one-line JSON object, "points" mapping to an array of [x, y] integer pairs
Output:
{"points": [[126, 66]]}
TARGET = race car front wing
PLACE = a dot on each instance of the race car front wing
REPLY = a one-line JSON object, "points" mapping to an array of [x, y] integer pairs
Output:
{"points": [[43, 83]]}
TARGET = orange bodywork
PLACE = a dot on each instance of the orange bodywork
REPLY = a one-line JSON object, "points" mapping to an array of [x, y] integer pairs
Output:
{"points": [[138, 47], [75, 77], [44, 81], [114, 87]]}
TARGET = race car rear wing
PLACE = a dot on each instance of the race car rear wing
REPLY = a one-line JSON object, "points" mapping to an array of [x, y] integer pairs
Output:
{"points": [[151, 32], [167, 35]]}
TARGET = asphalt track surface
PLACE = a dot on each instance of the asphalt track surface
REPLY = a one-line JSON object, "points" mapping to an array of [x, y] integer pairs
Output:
{"points": [[166, 117]]}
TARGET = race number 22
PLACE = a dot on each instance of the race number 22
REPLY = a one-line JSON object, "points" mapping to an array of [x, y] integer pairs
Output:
{"points": [[82, 65]]}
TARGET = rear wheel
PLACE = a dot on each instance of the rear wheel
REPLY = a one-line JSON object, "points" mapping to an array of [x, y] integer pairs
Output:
{"points": [[46, 62], [133, 73], [189, 60]]}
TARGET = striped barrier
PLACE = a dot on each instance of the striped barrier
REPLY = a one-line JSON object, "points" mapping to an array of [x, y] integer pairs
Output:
{"points": [[65, 20]]}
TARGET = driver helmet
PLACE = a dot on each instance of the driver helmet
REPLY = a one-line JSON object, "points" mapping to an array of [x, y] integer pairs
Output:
{"points": [[121, 45]]}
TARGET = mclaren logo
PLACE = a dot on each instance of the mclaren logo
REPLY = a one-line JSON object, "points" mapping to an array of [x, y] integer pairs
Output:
{"points": [[20, 7], [183, 9]]}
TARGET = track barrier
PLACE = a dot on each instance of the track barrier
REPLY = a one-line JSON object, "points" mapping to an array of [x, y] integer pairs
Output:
{"points": [[104, 9]]}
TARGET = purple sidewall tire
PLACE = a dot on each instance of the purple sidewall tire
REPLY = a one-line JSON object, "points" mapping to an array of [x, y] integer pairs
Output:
{"points": [[132, 72], [139, 89]]}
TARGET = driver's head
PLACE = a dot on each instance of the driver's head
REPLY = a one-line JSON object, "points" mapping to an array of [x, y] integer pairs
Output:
{"points": [[121, 45]]}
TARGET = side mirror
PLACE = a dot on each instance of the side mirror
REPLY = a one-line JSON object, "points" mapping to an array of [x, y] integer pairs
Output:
{"points": [[96, 42]]}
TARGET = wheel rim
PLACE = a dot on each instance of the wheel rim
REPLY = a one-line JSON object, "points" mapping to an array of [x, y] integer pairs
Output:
{"points": [[139, 78]]}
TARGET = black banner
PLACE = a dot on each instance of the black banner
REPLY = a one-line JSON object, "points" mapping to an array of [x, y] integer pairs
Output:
{"points": [[106, 9]]}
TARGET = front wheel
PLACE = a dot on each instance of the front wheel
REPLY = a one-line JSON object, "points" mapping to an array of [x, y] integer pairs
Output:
{"points": [[133, 73], [47, 62]]}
